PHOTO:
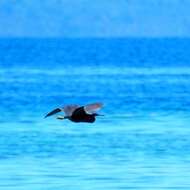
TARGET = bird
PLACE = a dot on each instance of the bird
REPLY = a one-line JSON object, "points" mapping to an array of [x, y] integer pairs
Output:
{"points": [[76, 113]]}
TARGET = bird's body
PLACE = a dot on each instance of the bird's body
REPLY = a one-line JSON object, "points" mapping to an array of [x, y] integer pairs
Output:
{"points": [[78, 113]]}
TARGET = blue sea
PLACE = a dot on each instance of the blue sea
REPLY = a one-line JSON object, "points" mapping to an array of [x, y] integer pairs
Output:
{"points": [[143, 140]]}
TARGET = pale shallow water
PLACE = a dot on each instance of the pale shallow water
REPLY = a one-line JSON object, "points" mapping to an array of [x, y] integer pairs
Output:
{"points": [[142, 142]]}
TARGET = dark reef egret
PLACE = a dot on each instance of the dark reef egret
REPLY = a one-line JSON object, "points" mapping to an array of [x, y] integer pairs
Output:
{"points": [[77, 113]]}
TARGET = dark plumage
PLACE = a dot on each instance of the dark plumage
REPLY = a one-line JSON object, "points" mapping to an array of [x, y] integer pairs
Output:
{"points": [[77, 113]]}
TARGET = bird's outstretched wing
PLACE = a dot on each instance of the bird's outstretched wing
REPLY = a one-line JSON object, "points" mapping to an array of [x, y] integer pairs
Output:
{"points": [[53, 112], [91, 108], [70, 109]]}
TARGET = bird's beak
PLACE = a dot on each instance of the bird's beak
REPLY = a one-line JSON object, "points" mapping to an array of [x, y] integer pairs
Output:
{"points": [[97, 114]]}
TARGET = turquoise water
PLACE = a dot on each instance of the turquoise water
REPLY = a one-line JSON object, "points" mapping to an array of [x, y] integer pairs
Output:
{"points": [[142, 142]]}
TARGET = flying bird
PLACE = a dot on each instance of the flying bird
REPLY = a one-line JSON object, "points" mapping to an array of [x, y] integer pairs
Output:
{"points": [[78, 113]]}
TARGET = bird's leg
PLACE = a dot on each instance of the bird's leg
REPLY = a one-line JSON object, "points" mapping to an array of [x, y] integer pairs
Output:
{"points": [[60, 117]]}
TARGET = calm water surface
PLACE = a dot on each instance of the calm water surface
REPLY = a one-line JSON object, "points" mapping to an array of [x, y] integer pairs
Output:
{"points": [[141, 143]]}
